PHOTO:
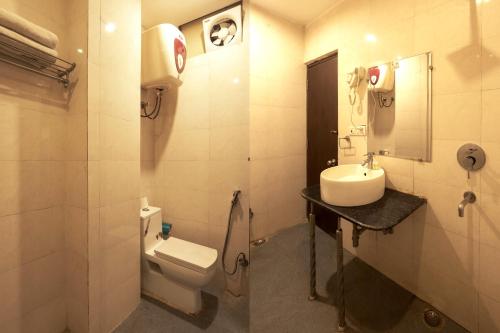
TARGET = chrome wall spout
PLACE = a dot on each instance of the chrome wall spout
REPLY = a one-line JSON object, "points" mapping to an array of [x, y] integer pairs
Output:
{"points": [[469, 197]]}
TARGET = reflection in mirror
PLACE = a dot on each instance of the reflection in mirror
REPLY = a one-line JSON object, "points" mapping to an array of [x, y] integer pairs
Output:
{"points": [[399, 108]]}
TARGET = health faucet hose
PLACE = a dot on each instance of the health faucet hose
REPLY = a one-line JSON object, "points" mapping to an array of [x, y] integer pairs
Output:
{"points": [[241, 257]]}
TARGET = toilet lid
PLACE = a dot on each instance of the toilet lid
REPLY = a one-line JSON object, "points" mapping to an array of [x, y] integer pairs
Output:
{"points": [[187, 254]]}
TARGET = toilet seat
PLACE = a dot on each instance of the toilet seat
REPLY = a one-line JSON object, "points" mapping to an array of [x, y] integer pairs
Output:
{"points": [[186, 254]]}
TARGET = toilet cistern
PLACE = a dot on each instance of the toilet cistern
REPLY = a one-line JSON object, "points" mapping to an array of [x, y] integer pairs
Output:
{"points": [[173, 270], [469, 197]]}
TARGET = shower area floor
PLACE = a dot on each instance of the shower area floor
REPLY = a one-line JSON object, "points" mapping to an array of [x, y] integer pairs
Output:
{"points": [[222, 313], [279, 286]]}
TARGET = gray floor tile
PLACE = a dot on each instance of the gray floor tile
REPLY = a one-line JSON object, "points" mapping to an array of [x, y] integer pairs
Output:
{"points": [[279, 289], [277, 302], [221, 313]]}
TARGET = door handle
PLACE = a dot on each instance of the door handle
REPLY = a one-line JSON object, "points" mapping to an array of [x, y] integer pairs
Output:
{"points": [[331, 162], [334, 132]]}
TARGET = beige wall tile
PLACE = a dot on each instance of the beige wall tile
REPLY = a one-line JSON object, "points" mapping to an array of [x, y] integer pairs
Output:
{"points": [[201, 147], [114, 173], [192, 175], [119, 181], [229, 143], [222, 110], [148, 180], [119, 139], [489, 228], [258, 144], [446, 248], [219, 210], [147, 144], [453, 34], [30, 185], [489, 19], [395, 254], [186, 204], [46, 319], [189, 145], [491, 100], [367, 249], [77, 315], [444, 168], [277, 122], [93, 183], [119, 302], [43, 127], [31, 286], [490, 174], [76, 279], [76, 184], [489, 63], [190, 230], [457, 116], [489, 314], [458, 255], [442, 209], [489, 284], [441, 291], [118, 223], [93, 144], [30, 236], [76, 138], [125, 252]]}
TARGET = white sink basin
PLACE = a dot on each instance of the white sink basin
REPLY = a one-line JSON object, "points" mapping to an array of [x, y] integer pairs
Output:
{"points": [[351, 185]]}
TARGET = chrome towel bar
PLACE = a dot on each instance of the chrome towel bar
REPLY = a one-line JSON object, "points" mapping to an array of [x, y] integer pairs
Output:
{"points": [[12, 52]]}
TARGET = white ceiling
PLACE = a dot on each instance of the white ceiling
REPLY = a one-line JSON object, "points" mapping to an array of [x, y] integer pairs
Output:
{"points": [[182, 11], [298, 11], [178, 11]]}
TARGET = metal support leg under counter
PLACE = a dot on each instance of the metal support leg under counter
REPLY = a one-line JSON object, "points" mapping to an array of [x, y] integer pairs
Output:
{"points": [[340, 267], [340, 280], [382, 215], [312, 252]]}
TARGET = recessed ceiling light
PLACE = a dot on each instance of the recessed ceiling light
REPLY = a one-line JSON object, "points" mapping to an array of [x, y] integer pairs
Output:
{"points": [[110, 27], [370, 38]]}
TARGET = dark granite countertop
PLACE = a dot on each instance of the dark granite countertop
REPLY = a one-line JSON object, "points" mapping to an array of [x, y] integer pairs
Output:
{"points": [[383, 214]]}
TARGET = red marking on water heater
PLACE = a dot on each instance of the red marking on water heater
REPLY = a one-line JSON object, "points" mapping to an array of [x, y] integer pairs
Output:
{"points": [[374, 75], [180, 55]]}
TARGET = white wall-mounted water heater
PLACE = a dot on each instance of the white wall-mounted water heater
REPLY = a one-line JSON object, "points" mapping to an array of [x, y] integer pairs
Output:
{"points": [[381, 78], [164, 57], [223, 29]]}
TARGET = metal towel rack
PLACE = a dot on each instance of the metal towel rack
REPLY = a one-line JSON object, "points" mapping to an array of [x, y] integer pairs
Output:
{"points": [[13, 53]]}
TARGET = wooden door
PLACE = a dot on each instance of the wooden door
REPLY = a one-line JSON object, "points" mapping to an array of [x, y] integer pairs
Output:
{"points": [[322, 127]]}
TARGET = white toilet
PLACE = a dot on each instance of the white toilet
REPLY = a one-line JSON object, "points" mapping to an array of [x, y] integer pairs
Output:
{"points": [[173, 270]]}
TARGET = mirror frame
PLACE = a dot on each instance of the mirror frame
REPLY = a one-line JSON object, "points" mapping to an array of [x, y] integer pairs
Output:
{"points": [[427, 157]]}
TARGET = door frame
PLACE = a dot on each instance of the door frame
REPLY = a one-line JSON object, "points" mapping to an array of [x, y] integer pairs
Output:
{"points": [[322, 58], [329, 227], [315, 61]]}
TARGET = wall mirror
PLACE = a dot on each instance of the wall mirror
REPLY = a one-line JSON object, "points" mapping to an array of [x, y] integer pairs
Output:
{"points": [[399, 108]]}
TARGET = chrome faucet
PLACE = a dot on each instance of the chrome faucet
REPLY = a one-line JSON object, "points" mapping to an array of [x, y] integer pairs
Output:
{"points": [[369, 160], [469, 197]]}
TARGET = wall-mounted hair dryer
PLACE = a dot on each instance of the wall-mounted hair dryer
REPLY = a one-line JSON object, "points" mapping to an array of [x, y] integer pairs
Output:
{"points": [[354, 79]]}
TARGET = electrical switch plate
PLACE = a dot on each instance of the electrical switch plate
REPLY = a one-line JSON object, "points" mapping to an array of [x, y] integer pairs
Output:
{"points": [[357, 130]]}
